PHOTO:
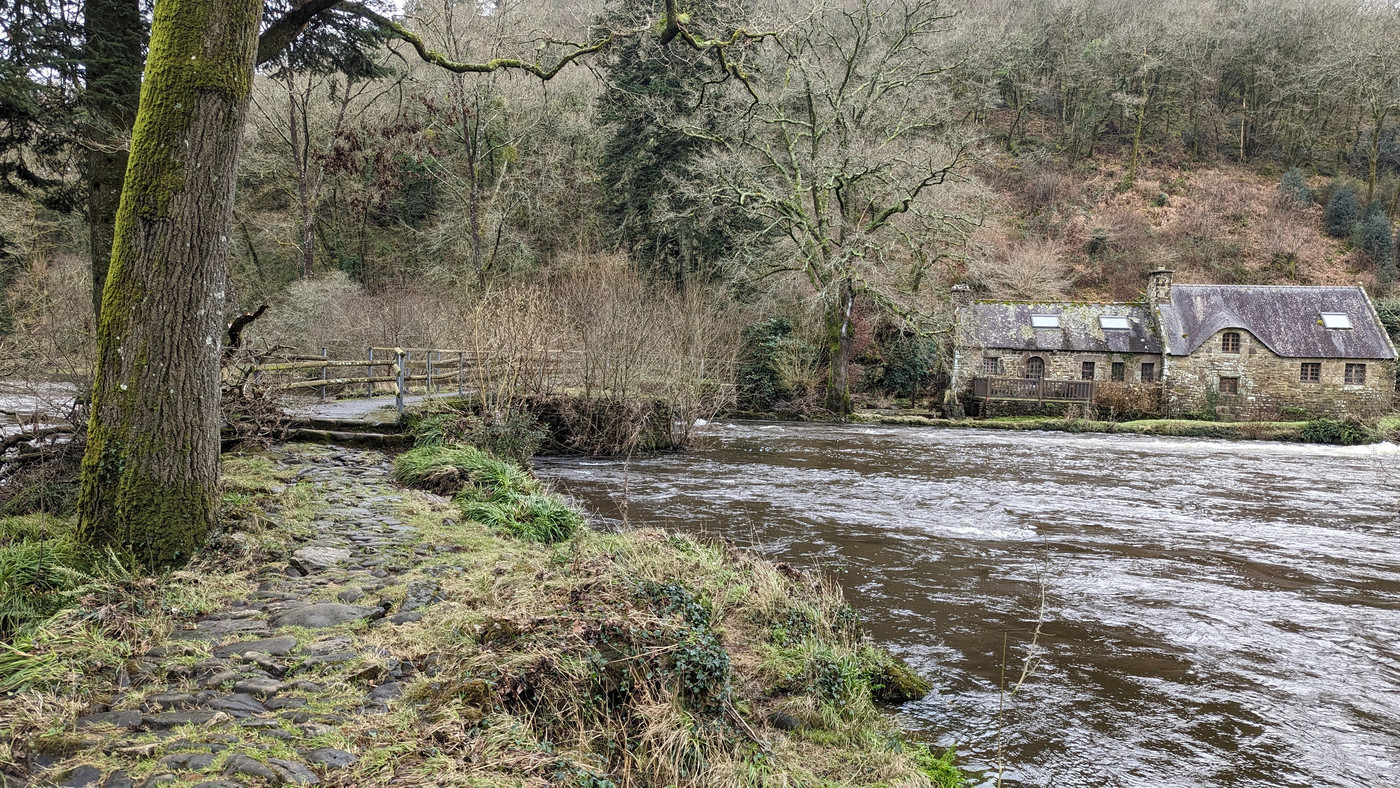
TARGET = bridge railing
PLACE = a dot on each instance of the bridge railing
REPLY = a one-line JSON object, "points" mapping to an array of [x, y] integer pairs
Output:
{"points": [[1038, 389], [399, 370]]}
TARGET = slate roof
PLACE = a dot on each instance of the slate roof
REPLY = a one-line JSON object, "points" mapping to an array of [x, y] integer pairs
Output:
{"points": [[1285, 318], [1006, 325]]}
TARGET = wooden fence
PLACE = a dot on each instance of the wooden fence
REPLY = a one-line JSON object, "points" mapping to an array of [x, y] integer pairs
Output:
{"points": [[1033, 389], [437, 369]]}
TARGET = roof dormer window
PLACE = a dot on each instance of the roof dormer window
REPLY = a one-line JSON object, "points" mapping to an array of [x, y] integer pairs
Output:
{"points": [[1045, 321], [1114, 323], [1335, 320]]}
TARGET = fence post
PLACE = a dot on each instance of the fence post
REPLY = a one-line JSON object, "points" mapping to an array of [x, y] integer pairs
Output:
{"points": [[1040, 388], [326, 357], [428, 388], [369, 373], [401, 384], [459, 375]]}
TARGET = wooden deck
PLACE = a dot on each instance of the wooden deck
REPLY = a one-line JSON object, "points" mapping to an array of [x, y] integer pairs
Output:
{"points": [[1033, 389]]}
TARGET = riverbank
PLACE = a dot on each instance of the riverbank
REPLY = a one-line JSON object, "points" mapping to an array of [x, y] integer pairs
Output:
{"points": [[1175, 578], [1317, 431], [344, 630]]}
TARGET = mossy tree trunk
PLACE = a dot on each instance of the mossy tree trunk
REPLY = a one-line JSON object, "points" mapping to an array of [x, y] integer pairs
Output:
{"points": [[150, 473], [115, 35], [839, 345]]}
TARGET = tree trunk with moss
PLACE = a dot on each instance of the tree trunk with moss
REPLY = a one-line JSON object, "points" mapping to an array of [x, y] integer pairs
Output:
{"points": [[115, 34], [839, 346], [150, 473]]}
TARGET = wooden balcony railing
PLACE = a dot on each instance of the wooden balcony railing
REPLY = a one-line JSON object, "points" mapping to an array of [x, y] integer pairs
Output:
{"points": [[1036, 389]]}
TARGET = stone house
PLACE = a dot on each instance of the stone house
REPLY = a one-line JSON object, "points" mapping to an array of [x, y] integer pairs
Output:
{"points": [[1242, 352]]}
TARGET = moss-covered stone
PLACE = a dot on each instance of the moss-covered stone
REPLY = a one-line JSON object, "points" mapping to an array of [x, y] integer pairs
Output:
{"points": [[894, 681]]}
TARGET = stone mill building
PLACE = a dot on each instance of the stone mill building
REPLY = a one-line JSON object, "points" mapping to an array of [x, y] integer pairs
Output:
{"points": [[1246, 352]]}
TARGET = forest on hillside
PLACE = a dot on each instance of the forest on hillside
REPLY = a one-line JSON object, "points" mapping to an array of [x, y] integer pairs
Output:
{"points": [[821, 184]]}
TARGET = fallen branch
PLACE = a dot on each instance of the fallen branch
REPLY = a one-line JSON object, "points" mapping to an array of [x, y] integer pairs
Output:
{"points": [[30, 437], [235, 329]]}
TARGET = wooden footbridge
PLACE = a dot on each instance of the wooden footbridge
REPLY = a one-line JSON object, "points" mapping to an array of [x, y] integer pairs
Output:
{"points": [[407, 374]]}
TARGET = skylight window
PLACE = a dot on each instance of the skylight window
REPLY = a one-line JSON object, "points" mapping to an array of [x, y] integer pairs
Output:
{"points": [[1113, 323], [1335, 320], [1045, 321]]}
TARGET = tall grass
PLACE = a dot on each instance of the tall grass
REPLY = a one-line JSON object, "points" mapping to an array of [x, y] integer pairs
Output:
{"points": [[42, 571], [491, 491]]}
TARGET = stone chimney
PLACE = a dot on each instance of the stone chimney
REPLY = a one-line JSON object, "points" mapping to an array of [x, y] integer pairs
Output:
{"points": [[1159, 286], [962, 295]]}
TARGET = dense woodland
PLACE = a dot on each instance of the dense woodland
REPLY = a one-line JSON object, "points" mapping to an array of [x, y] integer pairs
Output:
{"points": [[774, 191], [1071, 146]]}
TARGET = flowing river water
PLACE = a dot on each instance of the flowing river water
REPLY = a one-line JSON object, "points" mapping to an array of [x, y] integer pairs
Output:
{"points": [[1214, 614]]}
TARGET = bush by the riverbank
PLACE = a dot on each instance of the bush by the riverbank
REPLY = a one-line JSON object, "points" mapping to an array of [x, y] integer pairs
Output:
{"points": [[1327, 431], [641, 658]]}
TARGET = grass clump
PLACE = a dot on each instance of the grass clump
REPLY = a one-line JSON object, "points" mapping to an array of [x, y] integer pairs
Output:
{"points": [[512, 433], [534, 517], [1348, 432], [495, 492], [449, 468], [43, 570]]}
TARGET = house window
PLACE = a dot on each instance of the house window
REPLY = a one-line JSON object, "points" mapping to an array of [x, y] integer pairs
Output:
{"points": [[1335, 320], [1354, 374], [1230, 342], [1086, 370], [1116, 372], [1149, 372], [1311, 372], [1114, 323], [1045, 321], [991, 365], [1229, 385], [1035, 368]]}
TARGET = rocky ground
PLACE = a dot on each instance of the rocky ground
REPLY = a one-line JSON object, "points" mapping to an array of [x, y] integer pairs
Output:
{"points": [[259, 692]]}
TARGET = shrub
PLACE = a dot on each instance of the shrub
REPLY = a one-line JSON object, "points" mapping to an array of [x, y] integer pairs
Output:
{"points": [[1294, 187], [910, 362], [1341, 213], [1373, 237], [1120, 400], [1388, 309], [760, 381], [605, 425], [776, 370], [1349, 432]]}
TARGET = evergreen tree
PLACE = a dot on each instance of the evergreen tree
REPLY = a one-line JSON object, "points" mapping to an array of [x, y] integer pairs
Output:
{"points": [[1375, 239], [1341, 213], [657, 109], [39, 50], [1294, 187]]}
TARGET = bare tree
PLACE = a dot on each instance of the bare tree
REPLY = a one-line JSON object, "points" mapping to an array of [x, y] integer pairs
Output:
{"points": [[838, 152], [312, 120]]}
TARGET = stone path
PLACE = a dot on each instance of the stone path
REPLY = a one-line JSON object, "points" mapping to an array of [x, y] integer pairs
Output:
{"points": [[369, 410], [261, 692]]}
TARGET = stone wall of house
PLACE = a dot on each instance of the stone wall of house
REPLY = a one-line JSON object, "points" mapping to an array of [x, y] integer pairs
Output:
{"points": [[1059, 365], [1270, 387]]}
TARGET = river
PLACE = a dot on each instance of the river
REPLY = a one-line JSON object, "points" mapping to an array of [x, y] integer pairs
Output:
{"points": [[1214, 614]]}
